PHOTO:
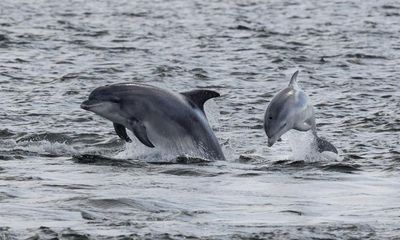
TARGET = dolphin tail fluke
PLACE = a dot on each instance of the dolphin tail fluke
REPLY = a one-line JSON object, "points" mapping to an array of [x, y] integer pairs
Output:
{"points": [[293, 79], [325, 146], [199, 97]]}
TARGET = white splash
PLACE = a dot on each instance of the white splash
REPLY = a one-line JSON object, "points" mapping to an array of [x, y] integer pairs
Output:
{"points": [[304, 147], [41, 147]]}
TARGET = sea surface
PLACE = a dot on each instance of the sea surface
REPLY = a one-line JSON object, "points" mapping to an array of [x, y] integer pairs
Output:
{"points": [[65, 174]]}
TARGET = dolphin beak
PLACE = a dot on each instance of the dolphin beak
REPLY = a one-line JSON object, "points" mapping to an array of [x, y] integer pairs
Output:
{"points": [[85, 105], [277, 137], [88, 104], [271, 142]]}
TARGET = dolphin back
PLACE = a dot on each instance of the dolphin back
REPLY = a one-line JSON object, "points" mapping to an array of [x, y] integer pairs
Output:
{"points": [[325, 146]]}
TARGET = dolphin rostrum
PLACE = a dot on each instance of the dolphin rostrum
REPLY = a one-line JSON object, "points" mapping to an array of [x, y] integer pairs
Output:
{"points": [[291, 109], [158, 117]]}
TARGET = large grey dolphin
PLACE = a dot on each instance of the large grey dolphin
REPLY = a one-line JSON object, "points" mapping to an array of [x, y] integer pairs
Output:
{"points": [[158, 117], [291, 109]]}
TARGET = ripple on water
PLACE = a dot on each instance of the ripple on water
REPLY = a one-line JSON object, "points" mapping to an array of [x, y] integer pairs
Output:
{"points": [[190, 172], [66, 170], [106, 161]]}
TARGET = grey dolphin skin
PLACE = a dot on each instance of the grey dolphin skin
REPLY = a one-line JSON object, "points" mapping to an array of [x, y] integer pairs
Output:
{"points": [[291, 109], [158, 117]]}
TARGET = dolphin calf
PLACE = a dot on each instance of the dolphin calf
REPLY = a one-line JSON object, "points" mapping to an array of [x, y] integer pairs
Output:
{"points": [[291, 109], [157, 117]]}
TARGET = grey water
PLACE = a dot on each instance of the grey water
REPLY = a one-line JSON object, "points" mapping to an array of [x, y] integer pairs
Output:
{"points": [[64, 174]]}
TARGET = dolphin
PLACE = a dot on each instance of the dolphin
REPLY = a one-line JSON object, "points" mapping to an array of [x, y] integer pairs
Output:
{"points": [[157, 117], [291, 109]]}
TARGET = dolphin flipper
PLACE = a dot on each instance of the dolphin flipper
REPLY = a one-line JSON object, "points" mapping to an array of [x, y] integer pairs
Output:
{"points": [[304, 126], [121, 132], [324, 146], [139, 130], [199, 97]]}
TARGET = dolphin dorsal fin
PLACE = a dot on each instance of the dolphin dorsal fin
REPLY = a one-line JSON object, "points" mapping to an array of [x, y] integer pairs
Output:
{"points": [[293, 79], [199, 97]]}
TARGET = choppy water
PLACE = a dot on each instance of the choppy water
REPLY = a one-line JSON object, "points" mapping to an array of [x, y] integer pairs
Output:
{"points": [[64, 172]]}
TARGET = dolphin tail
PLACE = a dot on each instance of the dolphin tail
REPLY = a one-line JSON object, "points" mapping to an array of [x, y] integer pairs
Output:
{"points": [[325, 146], [293, 79]]}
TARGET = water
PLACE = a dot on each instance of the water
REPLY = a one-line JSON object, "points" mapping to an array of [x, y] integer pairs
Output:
{"points": [[64, 172]]}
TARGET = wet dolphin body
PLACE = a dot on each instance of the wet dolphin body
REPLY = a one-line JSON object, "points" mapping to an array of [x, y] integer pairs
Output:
{"points": [[158, 117], [291, 109]]}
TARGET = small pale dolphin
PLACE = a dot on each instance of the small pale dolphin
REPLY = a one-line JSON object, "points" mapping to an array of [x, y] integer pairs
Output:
{"points": [[291, 109], [158, 117]]}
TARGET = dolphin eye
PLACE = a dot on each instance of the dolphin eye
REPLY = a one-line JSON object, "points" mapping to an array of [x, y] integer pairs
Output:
{"points": [[270, 118]]}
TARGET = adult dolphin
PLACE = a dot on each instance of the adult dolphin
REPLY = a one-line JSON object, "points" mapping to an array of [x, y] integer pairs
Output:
{"points": [[158, 117], [291, 109]]}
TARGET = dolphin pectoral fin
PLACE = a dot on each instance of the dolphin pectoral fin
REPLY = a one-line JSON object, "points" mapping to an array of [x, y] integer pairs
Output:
{"points": [[302, 126], [325, 146], [199, 97], [121, 132], [140, 132]]}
